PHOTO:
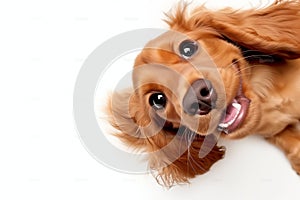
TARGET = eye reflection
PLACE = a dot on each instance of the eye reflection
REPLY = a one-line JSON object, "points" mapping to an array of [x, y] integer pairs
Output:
{"points": [[158, 101], [188, 48]]}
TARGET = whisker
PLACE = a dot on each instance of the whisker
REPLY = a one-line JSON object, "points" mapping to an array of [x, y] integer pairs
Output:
{"points": [[251, 56], [190, 160]]}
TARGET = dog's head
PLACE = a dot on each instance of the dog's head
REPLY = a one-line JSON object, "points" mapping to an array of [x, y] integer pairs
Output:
{"points": [[194, 82]]}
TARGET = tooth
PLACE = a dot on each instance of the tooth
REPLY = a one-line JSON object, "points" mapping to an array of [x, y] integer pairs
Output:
{"points": [[223, 125], [221, 128], [237, 106], [224, 129]]}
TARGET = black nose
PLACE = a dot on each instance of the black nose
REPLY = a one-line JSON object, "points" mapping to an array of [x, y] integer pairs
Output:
{"points": [[200, 98]]}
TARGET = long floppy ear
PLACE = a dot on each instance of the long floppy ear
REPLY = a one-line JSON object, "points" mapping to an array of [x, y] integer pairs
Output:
{"points": [[122, 110], [274, 30], [174, 155]]}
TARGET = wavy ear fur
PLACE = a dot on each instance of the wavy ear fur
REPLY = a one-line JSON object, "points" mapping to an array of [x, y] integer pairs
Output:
{"points": [[173, 154], [273, 30]]}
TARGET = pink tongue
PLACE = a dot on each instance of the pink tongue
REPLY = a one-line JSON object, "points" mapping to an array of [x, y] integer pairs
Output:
{"points": [[230, 113]]}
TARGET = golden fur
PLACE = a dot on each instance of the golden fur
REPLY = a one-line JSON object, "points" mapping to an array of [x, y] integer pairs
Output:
{"points": [[272, 86]]}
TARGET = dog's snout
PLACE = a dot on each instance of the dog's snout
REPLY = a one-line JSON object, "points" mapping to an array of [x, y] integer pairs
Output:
{"points": [[200, 98]]}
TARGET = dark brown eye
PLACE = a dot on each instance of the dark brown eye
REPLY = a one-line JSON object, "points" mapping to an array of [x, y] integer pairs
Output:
{"points": [[158, 101], [188, 48]]}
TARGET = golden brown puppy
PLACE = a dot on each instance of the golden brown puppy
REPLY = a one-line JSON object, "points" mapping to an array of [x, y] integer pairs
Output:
{"points": [[181, 101]]}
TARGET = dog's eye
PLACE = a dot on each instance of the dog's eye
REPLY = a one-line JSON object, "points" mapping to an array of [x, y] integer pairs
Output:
{"points": [[188, 48], [158, 101]]}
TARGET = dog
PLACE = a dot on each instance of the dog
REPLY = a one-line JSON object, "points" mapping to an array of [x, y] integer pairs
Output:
{"points": [[228, 73]]}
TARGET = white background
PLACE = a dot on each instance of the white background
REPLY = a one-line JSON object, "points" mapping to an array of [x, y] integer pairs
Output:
{"points": [[42, 47]]}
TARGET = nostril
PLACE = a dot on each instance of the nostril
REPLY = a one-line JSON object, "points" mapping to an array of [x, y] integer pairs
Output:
{"points": [[204, 92], [194, 108], [199, 108]]}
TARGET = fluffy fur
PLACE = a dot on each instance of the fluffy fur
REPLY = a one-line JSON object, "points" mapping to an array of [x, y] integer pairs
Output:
{"points": [[264, 44]]}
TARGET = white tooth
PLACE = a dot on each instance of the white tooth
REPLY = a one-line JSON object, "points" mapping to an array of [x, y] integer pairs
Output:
{"points": [[224, 125], [220, 128], [237, 106], [224, 129]]}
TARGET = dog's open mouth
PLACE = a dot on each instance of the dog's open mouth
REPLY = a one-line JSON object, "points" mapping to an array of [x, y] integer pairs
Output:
{"points": [[235, 113]]}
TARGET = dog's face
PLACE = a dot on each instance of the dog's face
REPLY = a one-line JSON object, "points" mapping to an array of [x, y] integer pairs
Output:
{"points": [[197, 80], [194, 82]]}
